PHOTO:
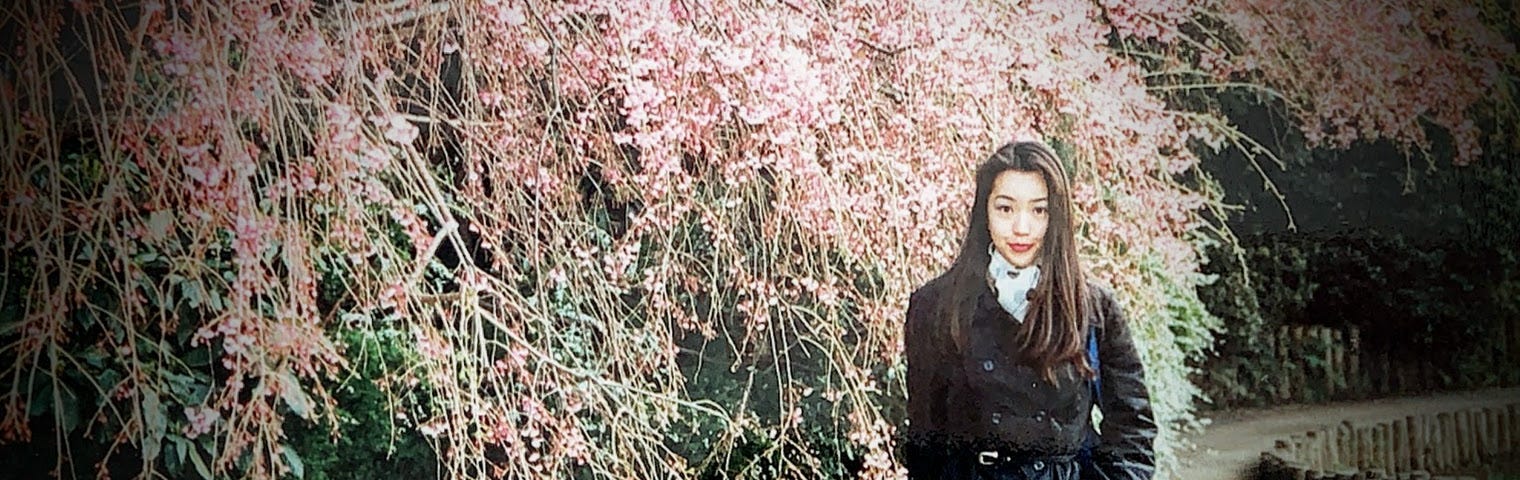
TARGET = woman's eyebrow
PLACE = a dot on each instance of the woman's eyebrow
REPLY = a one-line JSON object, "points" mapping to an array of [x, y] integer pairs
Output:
{"points": [[1006, 197]]}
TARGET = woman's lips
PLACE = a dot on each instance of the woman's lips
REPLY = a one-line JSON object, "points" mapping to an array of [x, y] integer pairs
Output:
{"points": [[1020, 247]]}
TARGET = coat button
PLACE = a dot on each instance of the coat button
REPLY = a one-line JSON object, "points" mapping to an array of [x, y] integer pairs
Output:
{"points": [[997, 418], [987, 365], [1039, 417], [1038, 465]]}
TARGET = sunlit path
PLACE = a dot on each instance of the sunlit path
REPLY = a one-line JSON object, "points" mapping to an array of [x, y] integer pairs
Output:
{"points": [[1237, 438]]}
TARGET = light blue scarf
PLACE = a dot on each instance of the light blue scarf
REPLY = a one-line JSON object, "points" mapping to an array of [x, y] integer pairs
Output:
{"points": [[1012, 284]]}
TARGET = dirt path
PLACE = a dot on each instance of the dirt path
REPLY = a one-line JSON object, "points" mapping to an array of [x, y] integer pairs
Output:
{"points": [[1237, 438]]}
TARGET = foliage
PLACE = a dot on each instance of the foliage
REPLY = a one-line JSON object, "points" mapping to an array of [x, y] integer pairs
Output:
{"points": [[1445, 299], [566, 206], [143, 388], [374, 437]]}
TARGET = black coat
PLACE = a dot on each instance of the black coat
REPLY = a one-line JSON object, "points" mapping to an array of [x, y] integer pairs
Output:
{"points": [[960, 406]]}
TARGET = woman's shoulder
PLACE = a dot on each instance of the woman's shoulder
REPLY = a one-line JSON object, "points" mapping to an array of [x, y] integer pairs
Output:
{"points": [[1099, 292], [931, 290], [1101, 301], [924, 300]]}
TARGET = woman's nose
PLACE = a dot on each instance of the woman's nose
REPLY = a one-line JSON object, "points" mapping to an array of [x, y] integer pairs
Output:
{"points": [[1022, 223]]}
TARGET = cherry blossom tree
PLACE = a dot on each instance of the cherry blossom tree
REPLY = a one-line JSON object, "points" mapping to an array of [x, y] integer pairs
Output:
{"points": [[568, 206]]}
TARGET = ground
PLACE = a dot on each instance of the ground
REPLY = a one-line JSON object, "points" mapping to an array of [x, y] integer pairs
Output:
{"points": [[1236, 438]]}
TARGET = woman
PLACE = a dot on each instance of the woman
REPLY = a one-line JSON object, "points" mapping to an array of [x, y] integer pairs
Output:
{"points": [[1000, 385]]}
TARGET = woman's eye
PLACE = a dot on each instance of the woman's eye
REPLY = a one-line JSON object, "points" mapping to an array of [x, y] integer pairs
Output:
{"points": [[1039, 210], [1004, 209]]}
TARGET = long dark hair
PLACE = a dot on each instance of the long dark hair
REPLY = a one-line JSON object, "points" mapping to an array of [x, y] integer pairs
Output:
{"points": [[1056, 324]]}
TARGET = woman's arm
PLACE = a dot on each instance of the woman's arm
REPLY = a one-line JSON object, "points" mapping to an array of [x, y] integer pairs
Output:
{"points": [[1129, 431], [923, 450]]}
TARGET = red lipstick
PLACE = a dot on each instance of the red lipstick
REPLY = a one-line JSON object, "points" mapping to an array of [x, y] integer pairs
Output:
{"points": [[1020, 247]]}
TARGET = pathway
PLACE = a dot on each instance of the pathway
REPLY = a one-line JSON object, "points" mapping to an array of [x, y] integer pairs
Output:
{"points": [[1235, 439]]}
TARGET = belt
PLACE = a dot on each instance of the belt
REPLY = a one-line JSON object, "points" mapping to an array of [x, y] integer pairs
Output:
{"points": [[1038, 462]]}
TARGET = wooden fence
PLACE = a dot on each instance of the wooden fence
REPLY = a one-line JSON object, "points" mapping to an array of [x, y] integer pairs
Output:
{"points": [[1426, 446], [1319, 358], [1310, 363]]}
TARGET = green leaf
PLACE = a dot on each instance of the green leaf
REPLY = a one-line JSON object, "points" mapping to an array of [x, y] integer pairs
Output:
{"points": [[296, 467], [181, 386], [216, 300], [173, 464], [192, 293], [152, 294], [95, 357], [200, 465], [159, 223], [294, 396], [198, 357], [181, 446], [68, 409], [86, 252], [107, 380], [155, 419], [42, 399]]}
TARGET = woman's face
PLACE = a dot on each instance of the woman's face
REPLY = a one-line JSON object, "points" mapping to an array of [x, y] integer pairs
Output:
{"points": [[1017, 216]]}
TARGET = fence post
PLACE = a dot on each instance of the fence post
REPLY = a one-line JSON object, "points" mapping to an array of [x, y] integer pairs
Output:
{"points": [[1284, 449], [1376, 434], [1385, 369], [1301, 358], [1361, 448], [1300, 355], [1332, 448], [1514, 427], [1305, 448], [1346, 442], [1468, 436], [1411, 447], [1501, 426], [1461, 430], [1485, 434], [1501, 430], [1339, 375], [1321, 445], [1441, 442], [1456, 451], [1385, 446], [1400, 446], [1327, 351], [1332, 459], [1354, 380], [1280, 348], [1417, 442], [1481, 419]]}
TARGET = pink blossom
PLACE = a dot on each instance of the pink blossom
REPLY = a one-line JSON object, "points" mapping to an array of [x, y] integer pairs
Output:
{"points": [[201, 420], [397, 128]]}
